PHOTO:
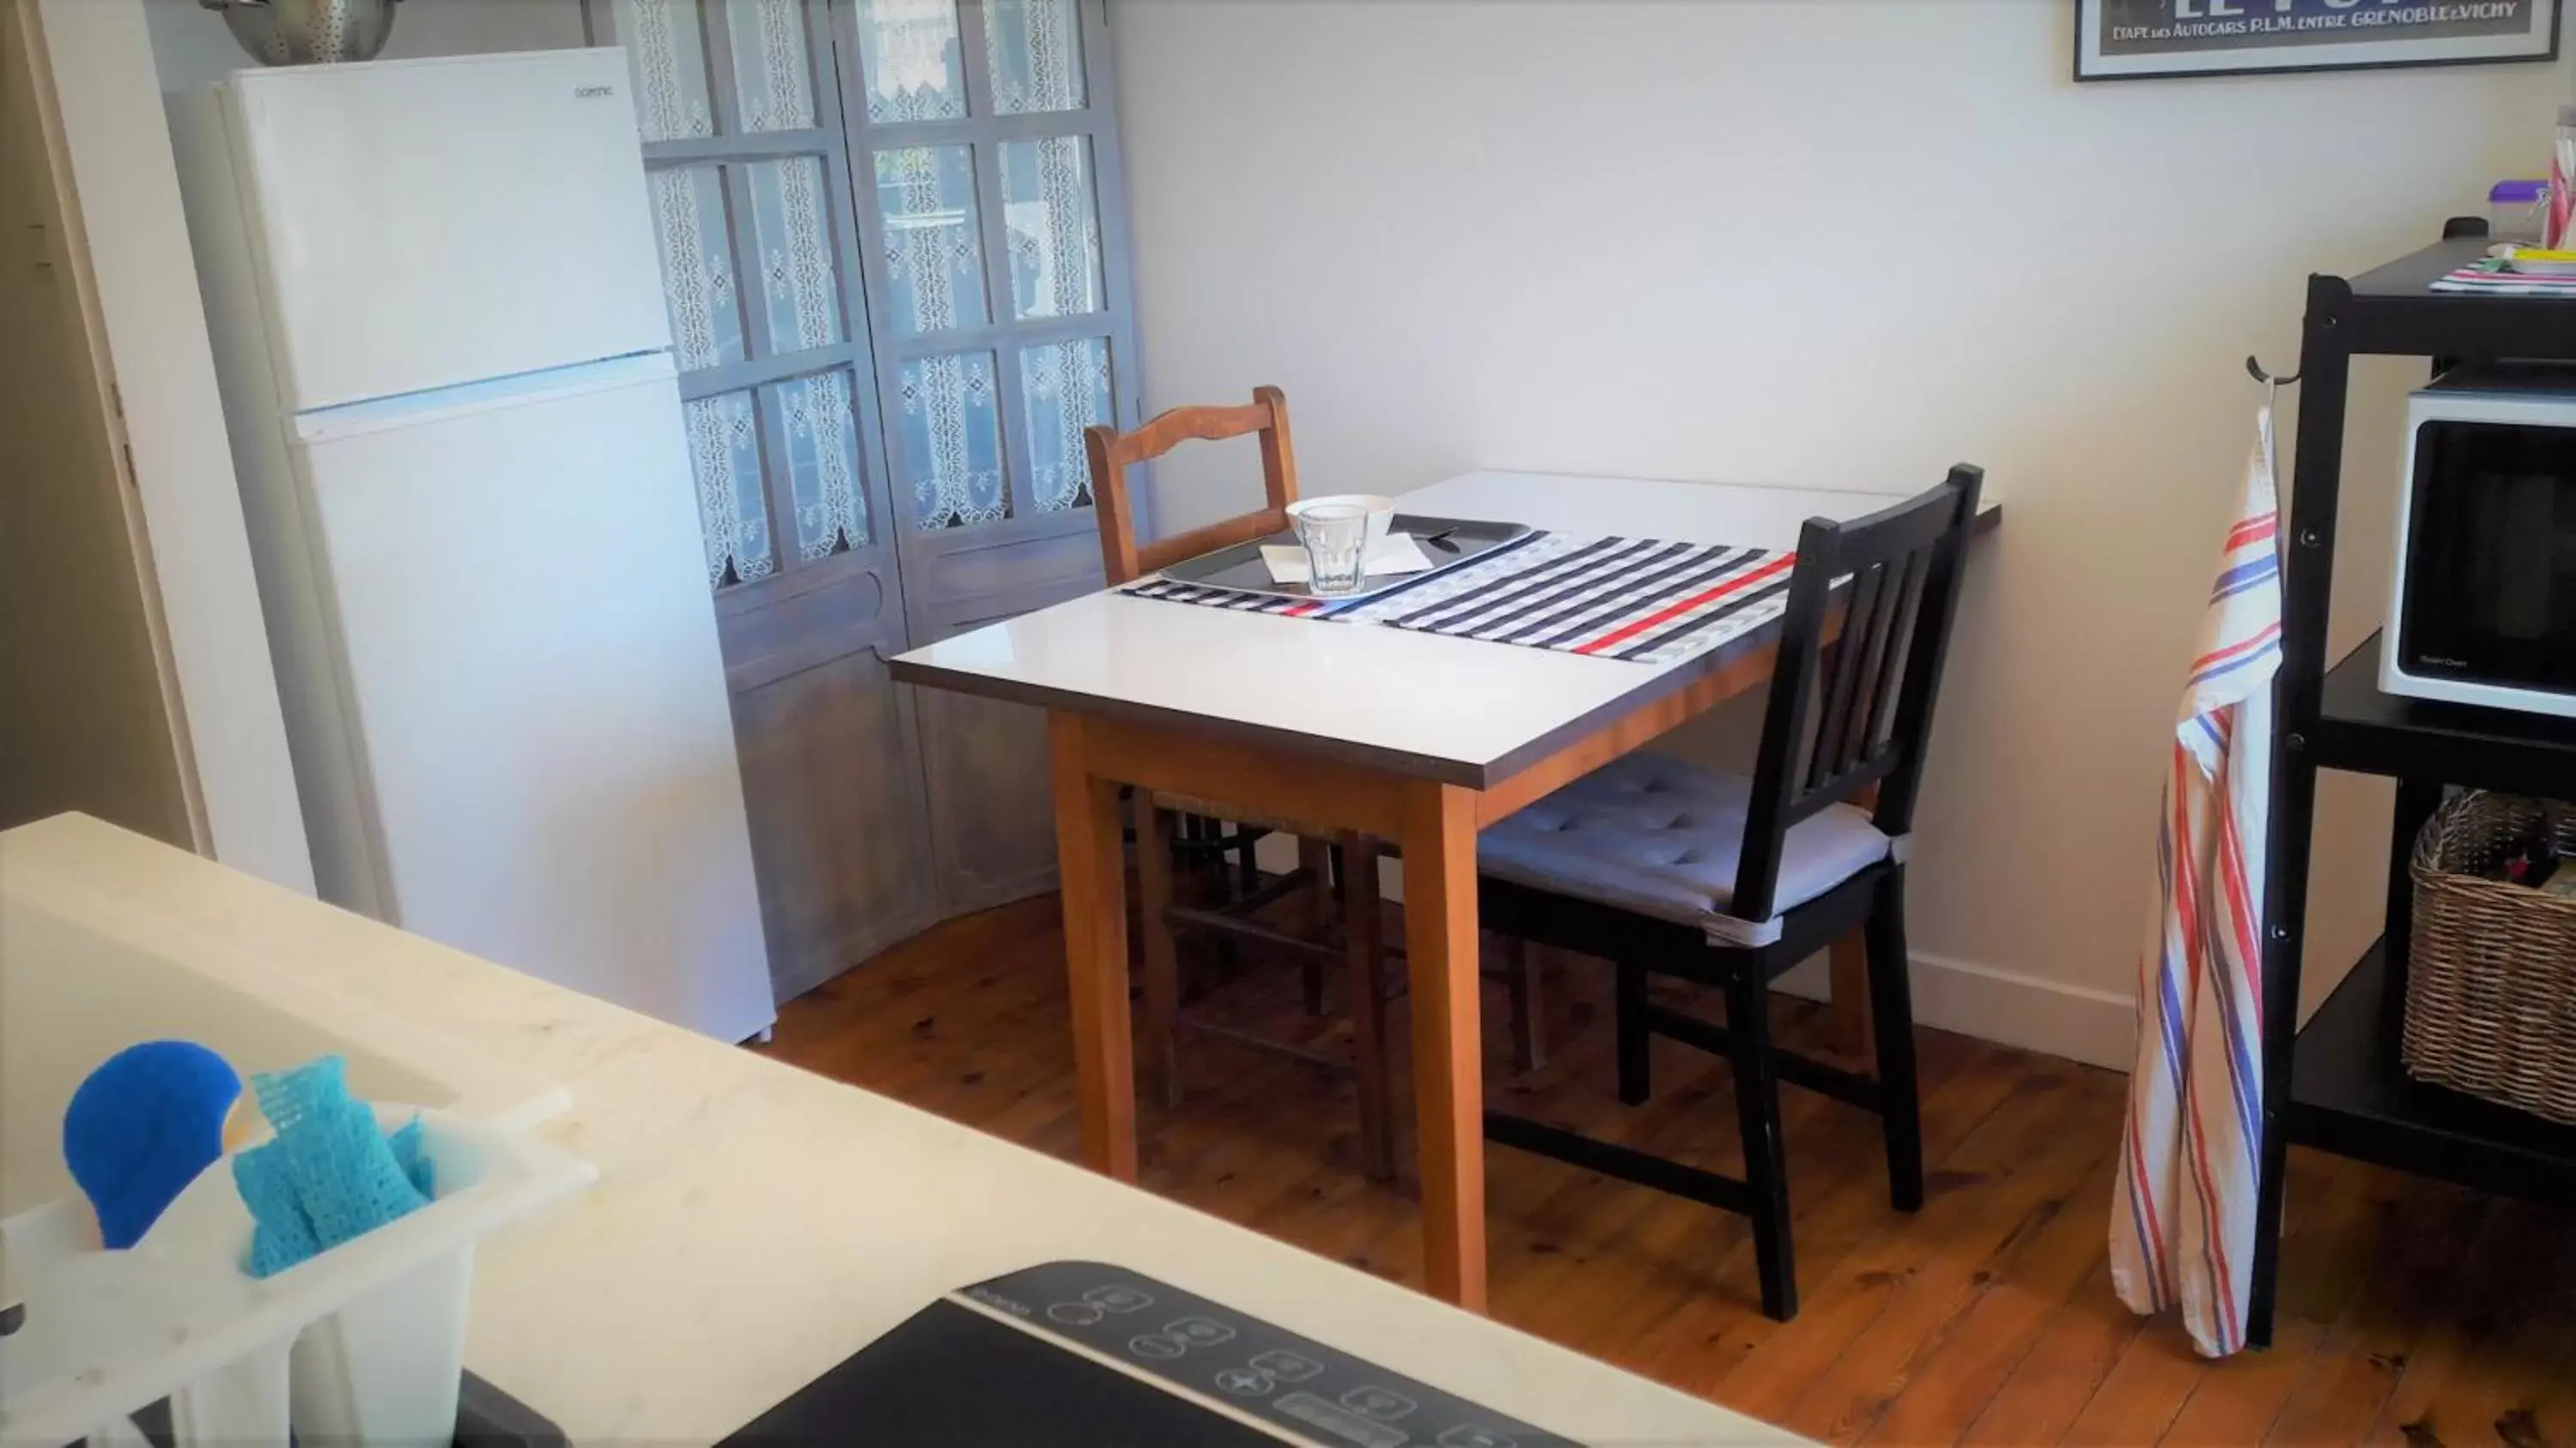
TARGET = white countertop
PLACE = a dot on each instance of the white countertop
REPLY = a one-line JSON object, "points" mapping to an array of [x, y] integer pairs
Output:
{"points": [[753, 1224], [1447, 708]]}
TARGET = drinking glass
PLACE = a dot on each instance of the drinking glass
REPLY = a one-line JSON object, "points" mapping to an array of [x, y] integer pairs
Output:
{"points": [[1336, 539]]}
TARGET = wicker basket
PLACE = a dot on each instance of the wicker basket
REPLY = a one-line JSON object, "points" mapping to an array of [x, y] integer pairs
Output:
{"points": [[2491, 973]]}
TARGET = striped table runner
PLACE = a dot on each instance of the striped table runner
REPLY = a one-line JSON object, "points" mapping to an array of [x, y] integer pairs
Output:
{"points": [[1622, 598], [2494, 280]]}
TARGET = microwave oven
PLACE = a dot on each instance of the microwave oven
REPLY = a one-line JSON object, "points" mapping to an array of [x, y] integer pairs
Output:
{"points": [[2482, 608]]}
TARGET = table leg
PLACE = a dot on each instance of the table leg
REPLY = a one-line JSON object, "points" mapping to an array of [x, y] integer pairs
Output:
{"points": [[1091, 866], [1448, 1065], [1162, 968]]}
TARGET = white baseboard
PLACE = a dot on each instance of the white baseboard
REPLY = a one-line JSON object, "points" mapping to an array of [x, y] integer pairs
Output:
{"points": [[2007, 1007]]}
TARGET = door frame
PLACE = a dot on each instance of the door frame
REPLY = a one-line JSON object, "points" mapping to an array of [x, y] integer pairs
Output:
{"points": [[94, 52]]}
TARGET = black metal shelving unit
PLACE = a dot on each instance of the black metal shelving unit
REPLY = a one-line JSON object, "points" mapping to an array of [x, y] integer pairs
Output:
{"points": [[2336, 1085]]}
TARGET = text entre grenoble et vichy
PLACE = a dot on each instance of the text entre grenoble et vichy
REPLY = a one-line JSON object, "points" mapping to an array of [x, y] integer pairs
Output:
{"points": [[2246, 17]]}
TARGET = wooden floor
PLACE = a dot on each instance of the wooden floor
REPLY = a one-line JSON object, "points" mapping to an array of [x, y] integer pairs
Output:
{"points": [[2412, 1313]]}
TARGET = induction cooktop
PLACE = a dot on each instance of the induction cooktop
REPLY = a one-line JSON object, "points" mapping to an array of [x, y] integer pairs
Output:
{"points": [[1087, 1355]]}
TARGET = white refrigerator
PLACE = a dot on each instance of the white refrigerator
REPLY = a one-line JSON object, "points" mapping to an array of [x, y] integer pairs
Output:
{"points": [[445, 360]]}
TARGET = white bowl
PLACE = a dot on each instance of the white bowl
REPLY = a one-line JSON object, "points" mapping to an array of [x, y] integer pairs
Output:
{"points": [[1381, 510]]}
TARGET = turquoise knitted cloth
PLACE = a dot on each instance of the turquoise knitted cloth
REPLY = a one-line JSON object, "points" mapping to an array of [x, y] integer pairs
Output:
{"points": [[331, 1174]]}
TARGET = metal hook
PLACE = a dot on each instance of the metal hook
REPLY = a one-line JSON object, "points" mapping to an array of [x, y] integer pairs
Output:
{"points": [[2271, 385], [2254, 369]]}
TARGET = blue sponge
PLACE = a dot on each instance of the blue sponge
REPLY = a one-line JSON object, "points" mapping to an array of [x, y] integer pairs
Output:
{"points": [[141, 1127]]}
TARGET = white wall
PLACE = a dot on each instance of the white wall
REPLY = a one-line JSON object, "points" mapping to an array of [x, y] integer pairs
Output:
{"points": [[1830, 245]]}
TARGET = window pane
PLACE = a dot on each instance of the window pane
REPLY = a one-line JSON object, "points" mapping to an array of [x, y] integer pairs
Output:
{"points": [[1054, 228], [697, 265], [908, 60], [950, 436], [667, 55], [1037, 55], [822, 462], [800, 281], [1067, 389], [933, 257], [724, 450], [773, 76]]}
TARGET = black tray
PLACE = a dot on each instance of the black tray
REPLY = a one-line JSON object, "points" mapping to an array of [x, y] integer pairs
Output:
{"points": [[1447, 542]]}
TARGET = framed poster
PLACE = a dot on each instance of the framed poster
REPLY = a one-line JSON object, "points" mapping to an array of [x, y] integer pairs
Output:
{"points": [[2133, 39]]}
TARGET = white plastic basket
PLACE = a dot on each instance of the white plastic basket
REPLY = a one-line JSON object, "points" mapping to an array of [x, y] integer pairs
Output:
{"points": [[75, 990], [362, 1344], [85, 975]]}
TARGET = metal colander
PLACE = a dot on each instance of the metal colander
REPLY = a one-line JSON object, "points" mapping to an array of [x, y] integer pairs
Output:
{"points": [[308, 32]]}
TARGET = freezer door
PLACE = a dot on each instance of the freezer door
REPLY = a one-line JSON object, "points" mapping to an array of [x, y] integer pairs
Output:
{"points": [[545, 749], [425, 223]]}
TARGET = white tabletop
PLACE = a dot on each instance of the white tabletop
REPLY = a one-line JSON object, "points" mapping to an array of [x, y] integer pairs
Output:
{"points": [[1458, 710], [753, 1224]]}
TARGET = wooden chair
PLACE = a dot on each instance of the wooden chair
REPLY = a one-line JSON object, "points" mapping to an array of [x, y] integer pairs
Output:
{"points": [[1358, 943], [1666, 868]]}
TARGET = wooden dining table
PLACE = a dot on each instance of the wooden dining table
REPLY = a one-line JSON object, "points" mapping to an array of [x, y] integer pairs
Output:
{"points": [[1413, 738]]}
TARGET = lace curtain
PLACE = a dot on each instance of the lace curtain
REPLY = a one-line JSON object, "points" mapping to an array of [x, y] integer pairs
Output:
{"points": [[753, 267]]}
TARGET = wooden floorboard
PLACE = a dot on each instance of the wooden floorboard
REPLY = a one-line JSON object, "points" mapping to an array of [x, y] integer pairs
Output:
{"points": [[2412, 1313]]}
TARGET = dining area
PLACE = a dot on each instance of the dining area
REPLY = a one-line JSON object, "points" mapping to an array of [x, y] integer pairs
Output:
{"points": [[1481, 729], [1555, 877]]}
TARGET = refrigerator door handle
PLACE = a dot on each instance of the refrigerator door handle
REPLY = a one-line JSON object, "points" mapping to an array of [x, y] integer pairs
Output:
{"points": [[438, 404]]}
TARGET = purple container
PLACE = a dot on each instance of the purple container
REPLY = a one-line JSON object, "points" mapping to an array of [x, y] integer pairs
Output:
{"points": [[2518, 211]]}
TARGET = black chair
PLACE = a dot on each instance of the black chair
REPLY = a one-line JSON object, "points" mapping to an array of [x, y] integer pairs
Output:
{"points": [[1666, 868]]}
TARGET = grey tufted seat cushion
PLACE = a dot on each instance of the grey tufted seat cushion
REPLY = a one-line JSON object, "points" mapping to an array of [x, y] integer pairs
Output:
{"points": [[1660, 836]]}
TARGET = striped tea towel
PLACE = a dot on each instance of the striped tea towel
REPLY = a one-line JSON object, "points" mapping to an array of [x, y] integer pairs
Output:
{"points": [[2494, 280], [2182, 1212], [1621, 598]]}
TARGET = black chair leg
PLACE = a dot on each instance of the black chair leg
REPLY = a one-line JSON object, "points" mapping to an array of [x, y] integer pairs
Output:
{"points": [[1757, 1111], [1891, 1001], [1636, 1079]]}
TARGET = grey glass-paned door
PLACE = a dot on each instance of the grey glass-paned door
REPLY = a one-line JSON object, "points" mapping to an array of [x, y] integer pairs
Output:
{"points": [[999, 294], [895, 270]]}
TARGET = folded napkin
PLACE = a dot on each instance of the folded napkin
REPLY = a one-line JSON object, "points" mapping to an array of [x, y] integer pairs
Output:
{"points": [[1394, 553]]}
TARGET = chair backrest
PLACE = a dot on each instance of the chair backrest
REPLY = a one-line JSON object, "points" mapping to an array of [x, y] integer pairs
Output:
{"points": [[1851, 699], [1113, 452]]}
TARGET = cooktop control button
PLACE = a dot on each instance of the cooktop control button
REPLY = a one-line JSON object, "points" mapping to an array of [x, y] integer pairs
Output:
{"points": [[1337, 1420], [1287, 1366], [1245, 1382], [1200, 1331], [1384, 1404]]}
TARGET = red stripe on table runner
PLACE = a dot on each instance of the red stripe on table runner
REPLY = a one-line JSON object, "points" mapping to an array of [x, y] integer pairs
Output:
{"points": [[1737, 584]]}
